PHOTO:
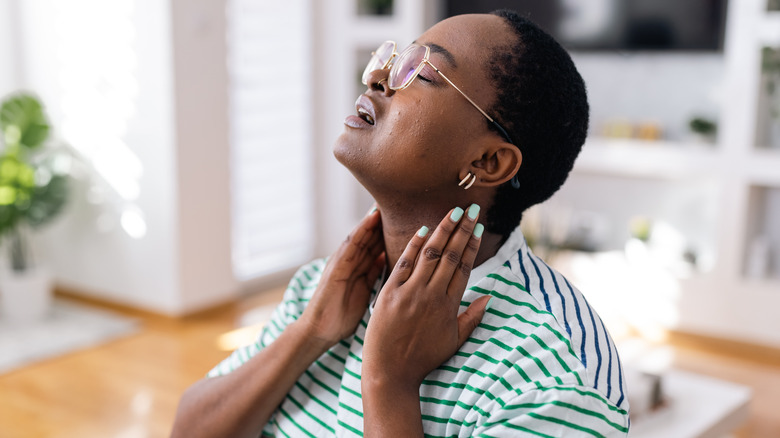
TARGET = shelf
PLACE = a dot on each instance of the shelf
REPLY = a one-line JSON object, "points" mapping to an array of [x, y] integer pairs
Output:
{"points": [[762, 236], [657, 159]]}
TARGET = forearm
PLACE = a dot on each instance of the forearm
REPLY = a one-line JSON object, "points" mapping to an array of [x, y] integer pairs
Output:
{"points": [[240, 403], [390, 409]]}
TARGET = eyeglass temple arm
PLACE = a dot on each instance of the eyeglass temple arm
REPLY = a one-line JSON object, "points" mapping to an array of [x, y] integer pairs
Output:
{"points": [[490, 119]]}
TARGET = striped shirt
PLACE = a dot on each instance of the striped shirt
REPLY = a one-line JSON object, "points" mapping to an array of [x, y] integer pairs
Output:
{"points": [[541, 363]]}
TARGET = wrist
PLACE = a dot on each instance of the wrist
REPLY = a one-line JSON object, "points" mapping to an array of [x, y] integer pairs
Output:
{"points": [[308, 339]]}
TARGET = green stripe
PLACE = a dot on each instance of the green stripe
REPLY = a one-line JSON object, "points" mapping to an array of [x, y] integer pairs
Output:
{"points": [[557, 357], [442, 420], [352, 355], [579, 409], [313, 417], [316, 399], [350, 428], [336, 356], [282, 430], [352, 373], [351, 409], [506, 423], [556, 333], [276, 326], [319, 382], [463, 386], [352, 391], [505, 281], [295, 423], [510, 300], [328, 370], [490, 376], [588, 394], [565, 423]]}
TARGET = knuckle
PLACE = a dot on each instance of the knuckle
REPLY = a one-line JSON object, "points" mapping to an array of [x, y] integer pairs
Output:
{"points": [[473, 244], [403, 264], [465, 268], [452, 257], [464, 231], [432, 253]]}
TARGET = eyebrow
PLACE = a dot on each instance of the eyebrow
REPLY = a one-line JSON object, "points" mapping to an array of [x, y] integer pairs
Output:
{"points": [[435, 48]]}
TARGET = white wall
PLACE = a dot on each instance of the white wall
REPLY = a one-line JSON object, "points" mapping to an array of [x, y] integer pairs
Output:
{"points": [[664, 88], [151, 230], [9, 75]]}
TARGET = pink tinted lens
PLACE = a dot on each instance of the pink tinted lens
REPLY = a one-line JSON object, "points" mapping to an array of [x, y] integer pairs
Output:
{"points": [[406, 66], [379, 59]]}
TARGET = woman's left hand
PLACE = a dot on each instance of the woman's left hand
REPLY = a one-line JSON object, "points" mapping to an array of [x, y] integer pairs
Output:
{"points": [[415, 326]]}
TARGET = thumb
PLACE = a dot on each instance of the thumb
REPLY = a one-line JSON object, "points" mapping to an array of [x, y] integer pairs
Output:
{"points": [[470, 319]]}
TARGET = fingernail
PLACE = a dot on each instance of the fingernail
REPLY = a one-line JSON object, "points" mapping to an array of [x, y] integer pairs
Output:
{"points": [[489, 303], [456, 214], [473, 211], [423, 231], [370, 212], [478, 229]]}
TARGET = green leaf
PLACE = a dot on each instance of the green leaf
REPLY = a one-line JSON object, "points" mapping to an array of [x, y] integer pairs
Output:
{"points": [[47, 201], [23, 122]]}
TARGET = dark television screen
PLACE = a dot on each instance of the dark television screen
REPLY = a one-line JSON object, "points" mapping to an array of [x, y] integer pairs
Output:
{"points": [[621, 25]]}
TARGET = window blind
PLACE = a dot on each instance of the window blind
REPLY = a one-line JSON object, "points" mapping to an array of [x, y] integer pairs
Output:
{"points": [[269, 65]]}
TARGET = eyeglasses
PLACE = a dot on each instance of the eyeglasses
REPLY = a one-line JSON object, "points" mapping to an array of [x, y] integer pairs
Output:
{"points": [[406, 68]]}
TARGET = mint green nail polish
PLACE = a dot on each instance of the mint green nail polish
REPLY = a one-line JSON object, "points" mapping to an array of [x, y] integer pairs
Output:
{"points": [[456, 214], [373, 209], [473, 211], [478, 229], [423, 231], [489, 303]]}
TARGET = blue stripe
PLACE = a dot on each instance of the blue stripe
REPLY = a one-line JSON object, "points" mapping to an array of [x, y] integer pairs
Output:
{"points": [[609, 365], [541, 285], [522, 269], [620, 381], [563, 302], [582, 325], [598, 350]]}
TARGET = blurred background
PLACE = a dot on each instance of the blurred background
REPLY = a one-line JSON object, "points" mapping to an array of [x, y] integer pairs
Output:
{"points": [[201, 176]]}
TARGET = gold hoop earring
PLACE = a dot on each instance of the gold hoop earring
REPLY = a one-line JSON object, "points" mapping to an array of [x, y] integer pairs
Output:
{"points": [[473, 178]]}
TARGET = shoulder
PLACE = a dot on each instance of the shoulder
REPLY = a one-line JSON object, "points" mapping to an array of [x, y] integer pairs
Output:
{"points": [[550, 313]]}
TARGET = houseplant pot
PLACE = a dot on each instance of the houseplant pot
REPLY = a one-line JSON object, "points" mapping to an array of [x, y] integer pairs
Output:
{"points": [[33, 190]]}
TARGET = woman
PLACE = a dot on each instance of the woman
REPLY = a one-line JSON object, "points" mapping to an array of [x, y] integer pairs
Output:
{"points": [[396, 335]]}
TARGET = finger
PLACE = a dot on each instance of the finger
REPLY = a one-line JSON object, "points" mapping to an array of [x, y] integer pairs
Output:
{"points": [[470, 319], [357, 239], [376, 270], [405, 265], [432, 251], [452, 256], [368, 255], [460, 277]]}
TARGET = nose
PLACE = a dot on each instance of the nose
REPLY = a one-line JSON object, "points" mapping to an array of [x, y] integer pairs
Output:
{"points": [[377, 81]]}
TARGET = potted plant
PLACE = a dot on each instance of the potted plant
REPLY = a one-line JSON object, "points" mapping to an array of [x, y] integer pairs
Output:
{"points": [[33, 191]]}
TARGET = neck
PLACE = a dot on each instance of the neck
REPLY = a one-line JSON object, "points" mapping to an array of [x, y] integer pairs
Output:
{"points": [[400, 224]]}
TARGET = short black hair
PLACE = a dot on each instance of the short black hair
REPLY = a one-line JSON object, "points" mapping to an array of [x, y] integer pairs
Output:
{"points": [[542, 102]]}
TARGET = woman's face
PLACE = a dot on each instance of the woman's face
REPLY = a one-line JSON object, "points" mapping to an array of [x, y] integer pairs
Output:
{"points": [[425, 135]]}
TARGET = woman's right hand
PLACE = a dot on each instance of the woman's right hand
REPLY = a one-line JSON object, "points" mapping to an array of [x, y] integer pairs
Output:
{"points": [[344, 290]]}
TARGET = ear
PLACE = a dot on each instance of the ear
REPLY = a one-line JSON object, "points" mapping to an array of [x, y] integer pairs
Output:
{"points": [[499, 162]]}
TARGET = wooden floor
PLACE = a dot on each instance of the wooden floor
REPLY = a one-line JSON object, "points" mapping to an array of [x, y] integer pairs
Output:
{"points": [[130, 387]]}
